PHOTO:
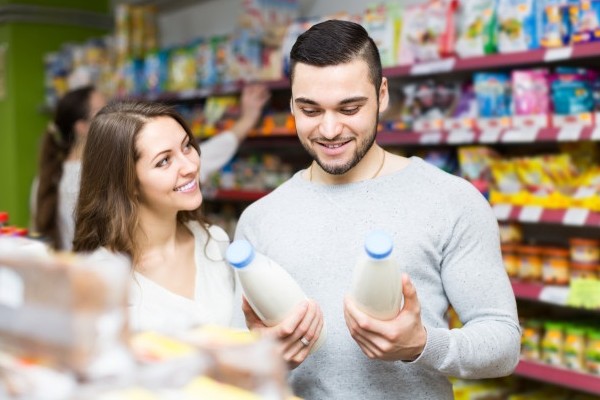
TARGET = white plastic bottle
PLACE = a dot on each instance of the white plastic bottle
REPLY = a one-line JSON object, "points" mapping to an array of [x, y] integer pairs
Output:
{"points": [[377, 283], [270, 290]]}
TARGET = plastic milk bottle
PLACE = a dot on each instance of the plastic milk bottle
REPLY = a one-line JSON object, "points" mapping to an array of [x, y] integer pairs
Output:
{"points": [[377, 284], [270, 290]]}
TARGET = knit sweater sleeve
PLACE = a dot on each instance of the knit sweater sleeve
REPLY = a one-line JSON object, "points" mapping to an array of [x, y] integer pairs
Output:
{"points": [[477, 287]]}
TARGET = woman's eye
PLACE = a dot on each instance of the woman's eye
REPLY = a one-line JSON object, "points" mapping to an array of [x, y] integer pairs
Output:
{"points": [[163, 162]]}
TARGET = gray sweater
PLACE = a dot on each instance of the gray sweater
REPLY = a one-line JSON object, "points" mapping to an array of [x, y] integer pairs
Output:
{"points": [[445, 237]]}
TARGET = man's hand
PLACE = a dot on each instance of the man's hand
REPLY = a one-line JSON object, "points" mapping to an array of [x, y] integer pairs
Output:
{"points": [[306, 321], [401, 338]]}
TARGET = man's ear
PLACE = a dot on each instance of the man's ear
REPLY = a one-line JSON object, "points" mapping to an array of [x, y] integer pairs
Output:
{"points": [[384, 95]]}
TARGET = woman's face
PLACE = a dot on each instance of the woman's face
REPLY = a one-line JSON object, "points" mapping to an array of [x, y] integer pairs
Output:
{"points": [[168, 168]]}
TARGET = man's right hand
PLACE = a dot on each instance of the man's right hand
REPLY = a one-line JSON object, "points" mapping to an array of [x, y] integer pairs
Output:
{"points": [[306, 321]]}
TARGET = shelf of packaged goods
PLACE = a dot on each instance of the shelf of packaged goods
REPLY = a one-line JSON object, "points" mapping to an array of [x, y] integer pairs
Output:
{"points": [[445, 65], [500, 136], [538, 215], [235, 195], [559, 376], [494, 61]]}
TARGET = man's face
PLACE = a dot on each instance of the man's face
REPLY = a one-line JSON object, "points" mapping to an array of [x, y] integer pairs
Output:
{"points": [[336, 109]]}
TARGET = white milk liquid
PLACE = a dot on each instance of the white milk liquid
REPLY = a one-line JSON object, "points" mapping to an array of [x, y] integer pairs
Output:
{"points": [[272, 292], [377, 287]]}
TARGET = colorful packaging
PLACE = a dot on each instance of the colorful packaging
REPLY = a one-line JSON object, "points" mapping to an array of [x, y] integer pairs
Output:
{"points": [[519, 22], [182, 69], [383, 22], [156, 72], [574, 351], [477, 27], [553, 343], [556, 28], [428, 31], [492, 91], [531, 92], [585, 19]]}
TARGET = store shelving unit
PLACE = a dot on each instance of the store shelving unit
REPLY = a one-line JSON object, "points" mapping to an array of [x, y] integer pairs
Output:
{"points": [[538, 215], [559, 376]]}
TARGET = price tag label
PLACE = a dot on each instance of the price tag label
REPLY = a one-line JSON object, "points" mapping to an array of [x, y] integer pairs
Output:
{"points": [[575, 216], [430, 138], [570, 133], [555, 295], [584, 293], [461, 136], [524, 135], [433, 67], [531, 214], [490, 136], [502, 211], [561, 53]]}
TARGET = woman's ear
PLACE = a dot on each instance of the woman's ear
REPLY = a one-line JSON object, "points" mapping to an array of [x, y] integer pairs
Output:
{"points": [[81, 128]]}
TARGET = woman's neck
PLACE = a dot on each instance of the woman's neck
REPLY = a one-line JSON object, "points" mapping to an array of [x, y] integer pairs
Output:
{"points": [[76, 152]]}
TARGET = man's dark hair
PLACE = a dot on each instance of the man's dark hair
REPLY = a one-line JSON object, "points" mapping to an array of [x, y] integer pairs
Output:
{"points": [[336, 42]]}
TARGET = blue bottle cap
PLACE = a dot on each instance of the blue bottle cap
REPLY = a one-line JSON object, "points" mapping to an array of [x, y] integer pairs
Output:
{"points": [[239, 254], [378, 244]]}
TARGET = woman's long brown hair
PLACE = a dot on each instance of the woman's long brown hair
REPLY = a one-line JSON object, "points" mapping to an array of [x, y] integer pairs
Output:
{"points": [[107, 208], [57, 143]]}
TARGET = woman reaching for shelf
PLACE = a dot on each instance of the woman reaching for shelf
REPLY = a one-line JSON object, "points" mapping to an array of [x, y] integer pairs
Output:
{"points": [[140, 196]]}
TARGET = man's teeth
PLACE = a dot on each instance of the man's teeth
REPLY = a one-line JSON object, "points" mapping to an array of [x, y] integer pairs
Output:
{"points": [[333, 146], [185, 187]]}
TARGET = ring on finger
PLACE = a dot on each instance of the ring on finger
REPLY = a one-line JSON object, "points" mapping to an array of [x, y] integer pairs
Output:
{"points": [[304, 341]]}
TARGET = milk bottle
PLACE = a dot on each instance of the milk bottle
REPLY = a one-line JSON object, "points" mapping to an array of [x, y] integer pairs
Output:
{"points": [[377, 284], [270, 290]]}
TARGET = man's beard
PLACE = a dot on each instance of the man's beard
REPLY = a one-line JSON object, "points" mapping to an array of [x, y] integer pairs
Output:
{"points": [[363, 148]]}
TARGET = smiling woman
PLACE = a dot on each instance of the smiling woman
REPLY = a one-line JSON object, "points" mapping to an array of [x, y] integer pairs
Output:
{"points": [[140, 195]]}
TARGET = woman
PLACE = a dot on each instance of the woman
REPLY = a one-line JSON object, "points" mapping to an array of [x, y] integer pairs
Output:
{"points": [[53, 205], [140, 195], [55, 191]]}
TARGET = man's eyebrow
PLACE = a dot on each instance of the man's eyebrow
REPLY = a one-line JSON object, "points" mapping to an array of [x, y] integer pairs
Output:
{"points": [[305, 101], [350, 100], [356, 99]]}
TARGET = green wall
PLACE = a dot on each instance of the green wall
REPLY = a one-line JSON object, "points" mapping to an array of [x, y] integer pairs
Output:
{"points": [[22, 122]]}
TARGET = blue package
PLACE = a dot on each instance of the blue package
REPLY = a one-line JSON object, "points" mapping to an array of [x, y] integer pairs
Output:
{"points": [[492, 92]]}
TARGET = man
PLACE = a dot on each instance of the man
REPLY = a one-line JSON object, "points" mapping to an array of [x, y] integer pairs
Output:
{"points": [[445, 238]]}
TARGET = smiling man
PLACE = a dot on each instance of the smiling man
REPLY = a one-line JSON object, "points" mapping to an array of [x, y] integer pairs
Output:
{"points": [[444, 232]]}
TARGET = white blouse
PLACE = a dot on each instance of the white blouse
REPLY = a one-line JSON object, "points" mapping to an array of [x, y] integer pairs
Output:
{"points": [[152, 307]]}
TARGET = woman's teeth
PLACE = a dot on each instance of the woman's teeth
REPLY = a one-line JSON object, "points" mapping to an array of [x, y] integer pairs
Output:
{"points": [[186, 187]]}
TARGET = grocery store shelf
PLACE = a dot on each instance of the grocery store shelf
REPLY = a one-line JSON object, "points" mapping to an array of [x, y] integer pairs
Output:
{"points": [[476, 136], [536, 291], [446, 65], [536, 215], [492, 61], [526, 290], [235, 195], [559, 376]]}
